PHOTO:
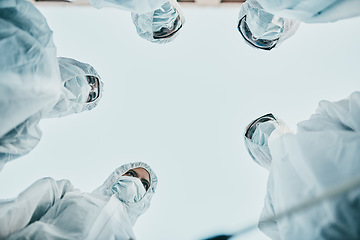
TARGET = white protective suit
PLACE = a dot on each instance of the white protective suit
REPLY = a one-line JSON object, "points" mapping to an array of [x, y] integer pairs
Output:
{"points": [[150, 16], [161, 25], [51, 209], [31, 84], [265, 27], [136, 6], [323, 154], [29, 72], [310, 11]]}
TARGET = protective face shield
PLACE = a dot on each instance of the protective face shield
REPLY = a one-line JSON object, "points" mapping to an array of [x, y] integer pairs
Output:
{"points": [[128, 189], [261, 29], [160, 26], [256, 139]]}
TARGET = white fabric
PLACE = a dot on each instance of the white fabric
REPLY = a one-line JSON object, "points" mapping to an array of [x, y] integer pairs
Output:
{"points": [[257, 146], [264, 25], [270, 228], [7, 3], [29, 72], [290, 26], [136, 6], [311, 11], [76, 90], [51, 209], [164, 17], [135, 209], [128, 189], [322, 154], [31, 84]]}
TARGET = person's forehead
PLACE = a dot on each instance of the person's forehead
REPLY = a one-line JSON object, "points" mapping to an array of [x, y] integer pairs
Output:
{"points": [[143, 172]]}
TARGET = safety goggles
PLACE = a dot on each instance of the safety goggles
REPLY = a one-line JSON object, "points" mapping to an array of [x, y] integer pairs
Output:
{"points": [[250, 129], [166, 32], [94, 93], [256, 42]]}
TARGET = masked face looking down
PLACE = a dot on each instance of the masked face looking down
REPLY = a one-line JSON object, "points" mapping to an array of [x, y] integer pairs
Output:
{"points": [[132, 185], [141, 174], [261, 29]]}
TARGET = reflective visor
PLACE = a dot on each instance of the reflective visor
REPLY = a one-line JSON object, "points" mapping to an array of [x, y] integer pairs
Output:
{"points": [[248, 36], [94, 93], [166, 33], [250, 129]]}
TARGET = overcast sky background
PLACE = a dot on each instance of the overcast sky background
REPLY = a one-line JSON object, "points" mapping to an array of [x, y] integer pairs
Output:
{"points": [[182, 108]]}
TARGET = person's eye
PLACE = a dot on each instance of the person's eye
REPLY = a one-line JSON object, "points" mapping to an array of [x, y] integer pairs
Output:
{"points": [[264, 41], [91, 80], [146, 185], [92, 97], [131, 174]]}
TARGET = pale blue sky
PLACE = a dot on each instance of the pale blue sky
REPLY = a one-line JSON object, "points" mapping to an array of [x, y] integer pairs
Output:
{"points": [[182, 108]]}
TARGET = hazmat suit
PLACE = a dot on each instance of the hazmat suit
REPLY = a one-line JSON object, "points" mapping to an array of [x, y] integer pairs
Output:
{"points": [[161, 25], [50, 209], [30, 78], [157, 21], [261, 29], [34, 83], [136, 6], [310, 11], [323, 154]]}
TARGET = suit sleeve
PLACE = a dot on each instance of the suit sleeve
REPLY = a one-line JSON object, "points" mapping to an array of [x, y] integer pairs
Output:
{"points": [[343, 115], [31, 204], [267, 223], [21, 140]]}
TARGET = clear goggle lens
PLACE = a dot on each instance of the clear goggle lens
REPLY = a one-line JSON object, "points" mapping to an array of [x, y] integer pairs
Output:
{"points": [[168, 32], [250, 129], [94, 93], [256, 42]]}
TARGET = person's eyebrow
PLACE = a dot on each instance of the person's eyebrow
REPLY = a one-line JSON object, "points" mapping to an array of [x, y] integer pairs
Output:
{"points": [[145, 180], [133, 172]]}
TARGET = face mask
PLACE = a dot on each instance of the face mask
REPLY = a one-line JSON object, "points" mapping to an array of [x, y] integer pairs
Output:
{"points": [[263, 132], [164, 18], [128, 189], [264, 25], [256, 139], [79, 87]]}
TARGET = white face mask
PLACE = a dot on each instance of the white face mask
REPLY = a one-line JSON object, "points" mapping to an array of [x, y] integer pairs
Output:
{"points": [[256, 139], [128, 189], [164, 17], [79, 87], [264, 25]]}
